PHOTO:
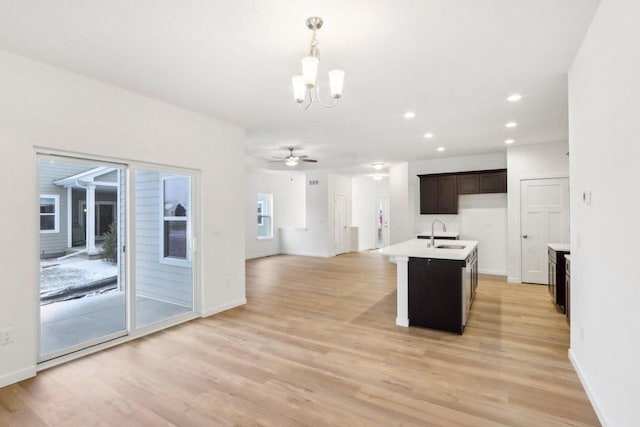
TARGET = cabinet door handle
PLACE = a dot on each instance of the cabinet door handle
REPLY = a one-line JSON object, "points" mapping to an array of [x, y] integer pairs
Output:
{"points": [[524, 236]]}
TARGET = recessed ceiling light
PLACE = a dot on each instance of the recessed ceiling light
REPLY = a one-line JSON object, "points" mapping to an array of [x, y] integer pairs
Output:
{"points": [[441, 149], [509, 141], [428, 135], [377, 166], [514, 97], [511, 124], [409, 115]]}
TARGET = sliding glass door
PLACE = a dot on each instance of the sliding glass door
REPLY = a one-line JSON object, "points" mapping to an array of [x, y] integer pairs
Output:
{"points": [[87, 296], [82, 281]]}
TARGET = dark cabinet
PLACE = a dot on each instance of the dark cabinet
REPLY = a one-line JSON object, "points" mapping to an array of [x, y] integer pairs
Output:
{"points": [[493, 182], [567, 279], [557, 278], [469, 183], [480, 182], [438, 194], [441, 292]]}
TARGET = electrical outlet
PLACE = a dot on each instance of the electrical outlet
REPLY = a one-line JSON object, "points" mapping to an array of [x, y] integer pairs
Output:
{"points": [[6, 336]]}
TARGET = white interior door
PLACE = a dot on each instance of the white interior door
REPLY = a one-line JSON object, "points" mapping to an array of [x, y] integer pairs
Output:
{"points": [[382, 223], [340, 224], [544, 219]]}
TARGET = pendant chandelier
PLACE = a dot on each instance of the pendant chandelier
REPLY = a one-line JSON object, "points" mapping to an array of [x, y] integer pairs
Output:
{"points": [[307, 83]]}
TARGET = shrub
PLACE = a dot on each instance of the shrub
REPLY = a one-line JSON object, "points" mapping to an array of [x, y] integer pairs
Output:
{"points": [[110, 244]]}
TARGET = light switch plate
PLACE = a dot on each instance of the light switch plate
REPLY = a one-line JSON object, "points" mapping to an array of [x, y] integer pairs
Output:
{"points": [[586, 196]]}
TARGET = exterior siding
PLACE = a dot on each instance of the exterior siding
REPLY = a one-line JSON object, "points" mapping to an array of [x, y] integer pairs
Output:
{"points": [[56, 243], [154, 279]]}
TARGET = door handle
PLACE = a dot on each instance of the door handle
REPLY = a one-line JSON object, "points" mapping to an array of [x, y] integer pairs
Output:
{"points": [[524, 236]]}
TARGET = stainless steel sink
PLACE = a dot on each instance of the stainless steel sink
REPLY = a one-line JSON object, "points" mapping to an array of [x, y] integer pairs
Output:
{"points": [[450, 246]]}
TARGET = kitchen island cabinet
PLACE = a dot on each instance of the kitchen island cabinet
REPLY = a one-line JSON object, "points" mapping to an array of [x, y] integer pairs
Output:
{"points": [[557, 274], [436, 285]]}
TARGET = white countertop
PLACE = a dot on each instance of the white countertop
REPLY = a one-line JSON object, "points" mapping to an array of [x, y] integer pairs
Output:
{"points": [[565, 247], [440, 234], [419, 248]]}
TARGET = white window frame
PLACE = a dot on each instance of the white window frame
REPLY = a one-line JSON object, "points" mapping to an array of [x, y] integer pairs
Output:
{"points": [[179, 262], [262, 215], [56, 214]]}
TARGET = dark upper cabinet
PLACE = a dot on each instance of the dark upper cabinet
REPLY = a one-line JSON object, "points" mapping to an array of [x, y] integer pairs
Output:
{"points": [[493, 182], [428, 194], [479, 182], [438, 194], [448, 194], [469, 183]]}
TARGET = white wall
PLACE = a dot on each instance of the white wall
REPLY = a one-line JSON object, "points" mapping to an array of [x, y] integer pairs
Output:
{"points": [[313, 240], [42, 106], [365, 194], [400, 210], [604, 129], [547, 160], [288, 190], [481, 217]]}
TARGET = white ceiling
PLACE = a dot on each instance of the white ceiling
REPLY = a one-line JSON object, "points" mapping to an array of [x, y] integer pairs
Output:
{"points": [[453, 62]]}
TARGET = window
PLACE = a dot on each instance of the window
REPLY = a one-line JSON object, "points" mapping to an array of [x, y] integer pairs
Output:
{"points": [[49, 213], [265, 220], [176, 212]]}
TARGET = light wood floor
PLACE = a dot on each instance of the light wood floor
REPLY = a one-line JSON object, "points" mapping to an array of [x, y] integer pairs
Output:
{"points": [[317, 345]]}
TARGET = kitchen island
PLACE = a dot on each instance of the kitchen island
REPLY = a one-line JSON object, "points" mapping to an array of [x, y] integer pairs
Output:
{"points": [[436, 285]]}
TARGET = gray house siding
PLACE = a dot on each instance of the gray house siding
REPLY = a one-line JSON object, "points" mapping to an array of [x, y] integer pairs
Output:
{"points": [[52, 244], [154, 279]]}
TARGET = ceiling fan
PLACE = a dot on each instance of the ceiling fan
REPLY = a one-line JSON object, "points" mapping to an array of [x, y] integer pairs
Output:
{"points": [[291, 159]]}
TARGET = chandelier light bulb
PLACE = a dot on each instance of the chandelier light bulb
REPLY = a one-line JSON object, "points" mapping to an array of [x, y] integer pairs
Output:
{"points": [[299, 88], [336, 81], [310, 70]]}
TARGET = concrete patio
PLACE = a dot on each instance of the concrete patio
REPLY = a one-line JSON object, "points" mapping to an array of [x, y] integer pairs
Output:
{"points": [[72, 322]]}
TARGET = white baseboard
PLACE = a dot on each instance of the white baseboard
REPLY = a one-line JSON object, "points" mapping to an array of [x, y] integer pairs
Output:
{"points": [[493, 272], [223, 307], [514, 280], [589, 390], [18, 376], [318, 255]]}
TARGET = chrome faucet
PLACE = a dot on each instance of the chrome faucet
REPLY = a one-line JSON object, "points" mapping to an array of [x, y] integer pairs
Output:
{"points": [[444, 228]]}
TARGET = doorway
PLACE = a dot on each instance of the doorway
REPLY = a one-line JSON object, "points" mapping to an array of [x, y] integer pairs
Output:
{"points": [[382, 223], [340, 224], [105, 215], [544, 213]]}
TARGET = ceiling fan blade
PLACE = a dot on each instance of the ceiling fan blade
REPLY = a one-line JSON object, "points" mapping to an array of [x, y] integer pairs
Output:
{"points": [[309, 160], [277, 161]]}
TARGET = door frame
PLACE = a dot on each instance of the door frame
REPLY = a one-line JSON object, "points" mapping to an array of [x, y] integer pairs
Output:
{"points": [[519, 215], [128, 240], [386, 200]]}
